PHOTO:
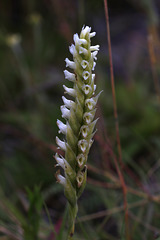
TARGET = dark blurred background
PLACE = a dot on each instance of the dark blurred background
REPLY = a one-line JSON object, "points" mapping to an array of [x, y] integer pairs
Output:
{"points": [[34, 41]]}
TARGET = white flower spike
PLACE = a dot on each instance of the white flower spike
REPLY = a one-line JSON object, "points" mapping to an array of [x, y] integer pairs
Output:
{"points": [[79, 116]]}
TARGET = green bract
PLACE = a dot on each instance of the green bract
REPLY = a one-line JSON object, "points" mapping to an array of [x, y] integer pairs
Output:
{"points": [[79, 116]]}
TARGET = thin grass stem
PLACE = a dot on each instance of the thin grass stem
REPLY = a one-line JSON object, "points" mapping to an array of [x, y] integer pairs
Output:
{"points": [[117, 125], [153, 65]]}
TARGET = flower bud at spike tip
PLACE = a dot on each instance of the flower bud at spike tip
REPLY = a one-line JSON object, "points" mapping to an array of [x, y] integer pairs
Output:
{"points": [[78, 113], [79, 41]]}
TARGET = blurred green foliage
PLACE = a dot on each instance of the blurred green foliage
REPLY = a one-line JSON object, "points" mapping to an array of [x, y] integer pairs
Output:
{"points": [[31, 228]]}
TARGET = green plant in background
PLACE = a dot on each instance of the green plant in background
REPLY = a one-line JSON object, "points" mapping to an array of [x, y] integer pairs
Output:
{"points": [[12, 218], [79, 115], [31, 227]]}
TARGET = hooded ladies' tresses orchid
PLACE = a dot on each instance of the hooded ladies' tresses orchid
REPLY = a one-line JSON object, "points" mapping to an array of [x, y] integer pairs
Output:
{"points": [[78, 114]]}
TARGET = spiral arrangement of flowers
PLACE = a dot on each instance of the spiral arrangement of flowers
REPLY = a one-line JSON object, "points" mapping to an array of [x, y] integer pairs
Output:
{"points": [[78, 112]]}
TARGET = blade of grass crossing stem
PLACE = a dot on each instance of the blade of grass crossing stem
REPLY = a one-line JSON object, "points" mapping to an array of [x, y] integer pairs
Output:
{"points": [[11, 209], [62, 228], [49, 218], [85, 234], [117, 163], [113, 85]]}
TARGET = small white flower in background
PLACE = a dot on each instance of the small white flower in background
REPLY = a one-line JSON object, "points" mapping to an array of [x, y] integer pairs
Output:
{"points": [[79, 116]]}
